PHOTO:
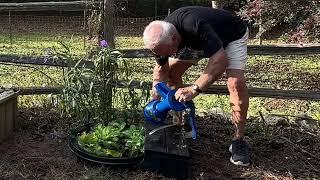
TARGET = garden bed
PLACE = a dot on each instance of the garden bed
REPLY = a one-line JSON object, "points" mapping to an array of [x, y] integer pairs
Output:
{"points": [[8, 110], [39, 151]]}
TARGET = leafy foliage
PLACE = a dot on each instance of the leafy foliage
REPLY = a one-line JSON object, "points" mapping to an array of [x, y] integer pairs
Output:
{"points": [[300, 16], [114, 140], [95, 93]]}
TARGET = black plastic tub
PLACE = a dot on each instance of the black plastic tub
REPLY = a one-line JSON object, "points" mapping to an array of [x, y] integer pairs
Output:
{"points": [[81, 153]]}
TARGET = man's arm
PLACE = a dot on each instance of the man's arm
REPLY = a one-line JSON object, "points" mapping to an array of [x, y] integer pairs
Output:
{"points": [[215, 68]]}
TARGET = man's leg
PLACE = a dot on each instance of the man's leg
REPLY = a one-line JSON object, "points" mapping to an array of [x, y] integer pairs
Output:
{"points": [[239, 101], [176, 69]]}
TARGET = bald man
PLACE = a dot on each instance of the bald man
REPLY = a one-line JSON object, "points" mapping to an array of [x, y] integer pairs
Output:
{"points": [[222, 37]]}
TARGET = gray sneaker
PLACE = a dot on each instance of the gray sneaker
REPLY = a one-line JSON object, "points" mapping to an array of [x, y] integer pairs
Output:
{"points": [[239, 153]]}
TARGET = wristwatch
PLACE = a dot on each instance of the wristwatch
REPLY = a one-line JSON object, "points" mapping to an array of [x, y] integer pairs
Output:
{"points": [[196, 88]]}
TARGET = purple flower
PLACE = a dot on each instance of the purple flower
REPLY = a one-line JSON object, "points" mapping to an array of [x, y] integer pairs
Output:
{"points": [[103, 43]]}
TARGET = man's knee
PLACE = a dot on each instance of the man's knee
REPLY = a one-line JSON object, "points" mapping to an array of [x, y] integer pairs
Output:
{"points": [[235, 83], [236, 80]]}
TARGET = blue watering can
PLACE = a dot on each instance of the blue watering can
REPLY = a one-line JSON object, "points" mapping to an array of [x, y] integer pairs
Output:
{"points": [[156, 111]]}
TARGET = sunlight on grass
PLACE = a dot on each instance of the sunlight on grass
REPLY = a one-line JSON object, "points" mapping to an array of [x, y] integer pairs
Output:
{"points": [[124, 42], [38, 45], [42, 101], [263, 71], [221, 104], [309, 64], [16, 76]]}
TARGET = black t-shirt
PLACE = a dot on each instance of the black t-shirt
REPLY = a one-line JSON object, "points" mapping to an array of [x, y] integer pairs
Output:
{"points": [[206, 29]]}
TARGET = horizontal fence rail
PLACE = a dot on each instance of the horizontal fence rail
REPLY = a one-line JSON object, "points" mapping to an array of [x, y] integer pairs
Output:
{"points": [[213, 89], [42, 6], [145, 53], [252, 50], [38, 60]]}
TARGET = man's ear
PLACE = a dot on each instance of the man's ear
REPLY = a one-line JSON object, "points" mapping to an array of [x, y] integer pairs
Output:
{"points": [[175, 39]]}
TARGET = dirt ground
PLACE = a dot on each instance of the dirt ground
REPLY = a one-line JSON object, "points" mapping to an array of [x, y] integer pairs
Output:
{"points": [[38, 150]]}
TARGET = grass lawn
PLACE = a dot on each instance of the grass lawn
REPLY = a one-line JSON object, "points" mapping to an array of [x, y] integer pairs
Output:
{"points": [[291, 72]]}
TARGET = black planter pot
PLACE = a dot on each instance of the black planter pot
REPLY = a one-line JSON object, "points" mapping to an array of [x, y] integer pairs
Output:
{"points": [[81, 153]]}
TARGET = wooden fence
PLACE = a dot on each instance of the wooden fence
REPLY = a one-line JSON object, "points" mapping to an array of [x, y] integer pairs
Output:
{"points": [[143, 53], [146, 54]]}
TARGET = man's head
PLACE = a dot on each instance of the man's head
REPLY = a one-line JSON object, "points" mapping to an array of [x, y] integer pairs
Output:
{"points": [[162, 38]]}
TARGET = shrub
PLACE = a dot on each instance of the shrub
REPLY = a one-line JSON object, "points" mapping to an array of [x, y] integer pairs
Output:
{"points": [[301, 17]]}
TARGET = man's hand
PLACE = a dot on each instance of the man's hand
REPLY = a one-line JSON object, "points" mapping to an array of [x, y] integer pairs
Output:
{"points": [[185, 94]]}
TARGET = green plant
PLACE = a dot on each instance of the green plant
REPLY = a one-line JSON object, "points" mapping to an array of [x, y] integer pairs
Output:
{"points": [[97, 92], [100, 90], [114, 140], [135, 139]]}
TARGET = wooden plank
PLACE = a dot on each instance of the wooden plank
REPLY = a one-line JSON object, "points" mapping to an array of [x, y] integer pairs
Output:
{"points": [[8, 100], [34, 60], [9, 118], [6, 95], [253, 92], [37, 90], [15, 111], [2, 122], [270, 93], [8, 103], [43, 6], [213, 89], [283, 49], [145, 53], [252, 50], [136, 53]]}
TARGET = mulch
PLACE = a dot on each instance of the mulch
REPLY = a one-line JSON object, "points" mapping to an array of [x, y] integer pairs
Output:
{"points": [[38, 150]]}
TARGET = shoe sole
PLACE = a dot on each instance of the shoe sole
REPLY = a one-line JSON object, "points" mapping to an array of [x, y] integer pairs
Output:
{"points": [[238, 163]]}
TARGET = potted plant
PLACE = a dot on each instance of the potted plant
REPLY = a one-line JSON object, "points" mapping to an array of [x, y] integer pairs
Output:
{"points": [[98, 96]]}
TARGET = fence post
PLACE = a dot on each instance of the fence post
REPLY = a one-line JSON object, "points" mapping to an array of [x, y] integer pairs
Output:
{"points": [[108, 31], [85, 24], [155, 9], [260, 30], [109, 36], [10, 29]]}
